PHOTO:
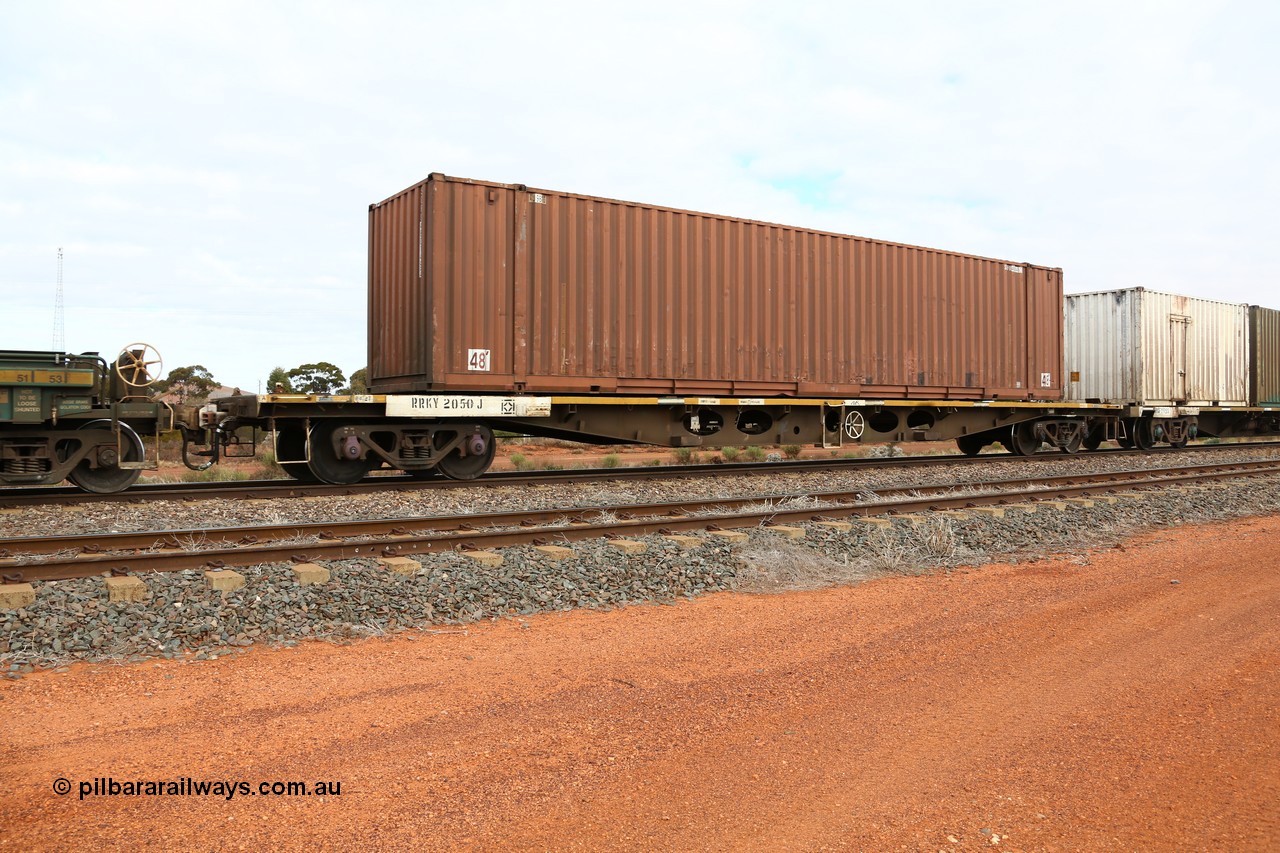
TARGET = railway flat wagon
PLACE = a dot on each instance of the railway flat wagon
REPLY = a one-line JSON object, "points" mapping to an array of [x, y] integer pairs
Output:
{"points": [[498, 306], [490, 287]]}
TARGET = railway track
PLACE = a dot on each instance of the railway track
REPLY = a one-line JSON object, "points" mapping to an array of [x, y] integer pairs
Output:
{"points": [[11, 497], [61, 557]]}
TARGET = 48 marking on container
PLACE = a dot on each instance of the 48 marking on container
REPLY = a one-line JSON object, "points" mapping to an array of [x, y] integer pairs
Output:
{"points": [[478, 359]]}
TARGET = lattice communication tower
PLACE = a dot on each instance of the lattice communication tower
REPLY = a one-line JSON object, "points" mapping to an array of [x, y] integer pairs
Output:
{"points": [[59, 329]]}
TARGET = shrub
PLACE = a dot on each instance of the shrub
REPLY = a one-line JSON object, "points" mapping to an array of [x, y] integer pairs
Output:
{"points": [[730, 453], [216, 474], [522, 463], [613, 460], [791, 451], [684, 455], [755, 454]]}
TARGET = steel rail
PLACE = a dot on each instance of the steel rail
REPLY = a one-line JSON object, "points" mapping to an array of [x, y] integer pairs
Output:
{"points": [[513, 528], [18, 496], [101, 543]]}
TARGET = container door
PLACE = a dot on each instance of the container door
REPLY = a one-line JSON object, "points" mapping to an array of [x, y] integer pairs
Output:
{"points": [[470, 251], [1179, 326]]}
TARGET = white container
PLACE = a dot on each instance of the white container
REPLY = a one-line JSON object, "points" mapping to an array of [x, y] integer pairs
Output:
{"points": [[1140, 347]]}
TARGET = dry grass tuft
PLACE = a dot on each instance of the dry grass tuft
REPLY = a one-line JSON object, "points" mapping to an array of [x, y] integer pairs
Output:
{"points": [[777, 565]]}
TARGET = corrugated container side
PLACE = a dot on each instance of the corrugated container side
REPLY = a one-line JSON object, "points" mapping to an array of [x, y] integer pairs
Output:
{"points": [[1144, 347], [1102, 346], [1264, 358], [573, 293]]}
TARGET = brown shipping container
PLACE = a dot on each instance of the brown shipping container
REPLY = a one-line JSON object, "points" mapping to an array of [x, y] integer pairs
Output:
{"points": [[477, 286], [1264, 356]]}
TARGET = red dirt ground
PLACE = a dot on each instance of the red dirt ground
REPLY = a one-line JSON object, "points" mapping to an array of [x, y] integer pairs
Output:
{"points": [[1049, 706]]}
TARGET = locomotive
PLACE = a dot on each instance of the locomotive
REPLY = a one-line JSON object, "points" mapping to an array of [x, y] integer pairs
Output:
{"points": [[77, 417]]}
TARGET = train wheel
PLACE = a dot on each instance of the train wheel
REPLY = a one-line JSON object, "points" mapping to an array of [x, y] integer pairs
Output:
{"points": [[327, 466], [1074, 445], [1023, 440], [1180, 443], [292, 444], [1143, 437], [480, 448], [1094, 439], [970, 445], [108, 477]]}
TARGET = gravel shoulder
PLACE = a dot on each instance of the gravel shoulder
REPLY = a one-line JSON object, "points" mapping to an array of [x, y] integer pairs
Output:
{"points": [[183, 618], [1076, 703]]}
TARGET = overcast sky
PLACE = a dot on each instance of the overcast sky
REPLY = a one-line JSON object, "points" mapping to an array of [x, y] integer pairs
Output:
{"points": [[207, 168]]}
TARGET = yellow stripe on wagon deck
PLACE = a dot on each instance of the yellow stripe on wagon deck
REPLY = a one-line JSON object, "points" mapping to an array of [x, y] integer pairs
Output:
{"points": [[817, 401], [1065, 406]]}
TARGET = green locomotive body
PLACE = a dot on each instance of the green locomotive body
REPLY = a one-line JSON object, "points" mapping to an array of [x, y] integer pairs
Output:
{"points": [[74, 417]]}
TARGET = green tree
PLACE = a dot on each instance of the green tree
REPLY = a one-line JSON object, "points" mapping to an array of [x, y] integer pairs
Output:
{"points": [[360, 381], [279, 376], [319, 378], [190, 384]]}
